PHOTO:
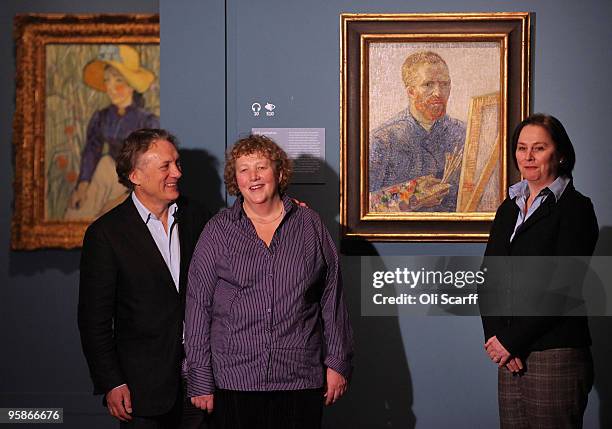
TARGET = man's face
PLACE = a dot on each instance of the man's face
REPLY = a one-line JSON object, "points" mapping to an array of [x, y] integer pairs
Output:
{"points": [[156, 174], [430, 92]]}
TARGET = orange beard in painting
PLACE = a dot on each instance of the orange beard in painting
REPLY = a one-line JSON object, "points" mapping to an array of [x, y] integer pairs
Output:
{"points": [[430, 91], [431, 108]]}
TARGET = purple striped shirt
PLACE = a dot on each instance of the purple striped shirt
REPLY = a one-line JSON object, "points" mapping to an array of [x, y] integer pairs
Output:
{"points": [[259, 318]]}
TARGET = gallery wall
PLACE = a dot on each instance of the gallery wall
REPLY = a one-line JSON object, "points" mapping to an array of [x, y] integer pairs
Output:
{"points": [[427, 371], [217, 58], [41, 364]]}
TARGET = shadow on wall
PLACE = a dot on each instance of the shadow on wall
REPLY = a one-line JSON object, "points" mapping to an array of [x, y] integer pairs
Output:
{"points": [[602, 344], [35, 262], [200, 180], [380, 395]]}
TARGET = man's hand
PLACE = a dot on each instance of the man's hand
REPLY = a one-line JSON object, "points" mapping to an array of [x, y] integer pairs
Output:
{"points": [[336, 386], [435, 199], [119, 403], [79, 195], [299, 203], [515, 365], [203, 402], [496, 351]]}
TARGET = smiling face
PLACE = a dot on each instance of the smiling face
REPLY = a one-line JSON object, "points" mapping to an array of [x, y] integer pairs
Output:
{"points": [[117, 89], [156, 175], [536, 156], [430, 90], [256, 178]]}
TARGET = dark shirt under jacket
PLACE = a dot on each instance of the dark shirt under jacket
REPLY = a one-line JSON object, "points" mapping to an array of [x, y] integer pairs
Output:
{"points": [[567, 227], [130, 313]]}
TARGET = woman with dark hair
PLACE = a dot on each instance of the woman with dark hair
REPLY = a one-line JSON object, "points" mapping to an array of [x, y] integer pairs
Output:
{"points": [[267, 335], [545, 366]]}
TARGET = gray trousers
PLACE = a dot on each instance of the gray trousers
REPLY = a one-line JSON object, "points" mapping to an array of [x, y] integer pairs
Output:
{"points": [[552, 392]]}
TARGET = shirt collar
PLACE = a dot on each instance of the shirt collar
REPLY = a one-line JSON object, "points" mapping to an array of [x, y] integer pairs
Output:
{"points": [[237, 212], [146, 214], [521, 189], [558, 186]]}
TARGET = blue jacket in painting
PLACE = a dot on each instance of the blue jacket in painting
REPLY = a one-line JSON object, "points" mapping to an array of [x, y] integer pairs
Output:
{"points": [[402, 150]]}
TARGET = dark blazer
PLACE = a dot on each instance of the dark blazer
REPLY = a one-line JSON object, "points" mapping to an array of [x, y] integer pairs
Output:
{"points": [[130, 314], [567, 227]]}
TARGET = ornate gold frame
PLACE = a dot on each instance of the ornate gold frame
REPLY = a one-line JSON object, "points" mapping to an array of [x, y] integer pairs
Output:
{"points": [[357, 31], [29, 229]]}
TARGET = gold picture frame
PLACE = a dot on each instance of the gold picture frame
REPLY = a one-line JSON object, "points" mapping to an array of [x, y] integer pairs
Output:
{"points": [[474, 89], [55, 111]]}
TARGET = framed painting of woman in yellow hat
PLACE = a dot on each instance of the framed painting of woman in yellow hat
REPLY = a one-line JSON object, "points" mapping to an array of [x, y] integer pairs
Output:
{"points": [[117, 94], [117, 72], [83, 84]]}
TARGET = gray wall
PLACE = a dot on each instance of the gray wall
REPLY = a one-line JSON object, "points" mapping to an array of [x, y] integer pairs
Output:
{"points": [[217, 58]]}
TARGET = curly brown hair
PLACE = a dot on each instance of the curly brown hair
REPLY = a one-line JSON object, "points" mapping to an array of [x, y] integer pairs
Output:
{"points": [[135, 145], [262, 145]]}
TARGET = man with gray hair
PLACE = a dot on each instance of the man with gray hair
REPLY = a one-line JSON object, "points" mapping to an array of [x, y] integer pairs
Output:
{"points": [[134, 267], [420, 140]]}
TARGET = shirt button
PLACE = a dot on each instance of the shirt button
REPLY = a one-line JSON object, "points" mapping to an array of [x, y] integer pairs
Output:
{"points": [[269, 310]]}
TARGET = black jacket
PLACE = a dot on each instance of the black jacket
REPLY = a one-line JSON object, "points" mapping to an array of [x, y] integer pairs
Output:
{"points": [[130, 314], [567, 227]]}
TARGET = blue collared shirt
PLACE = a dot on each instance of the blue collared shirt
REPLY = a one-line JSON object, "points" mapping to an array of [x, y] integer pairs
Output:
{"points": [[167, 242], [519, 192]]}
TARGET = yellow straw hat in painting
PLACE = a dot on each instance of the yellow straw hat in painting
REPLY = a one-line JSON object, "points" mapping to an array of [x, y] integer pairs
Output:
{"points": [[125, 59]]}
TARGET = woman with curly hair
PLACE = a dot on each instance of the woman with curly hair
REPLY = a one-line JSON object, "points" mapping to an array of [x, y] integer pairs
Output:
{"points": [[267, 334]]}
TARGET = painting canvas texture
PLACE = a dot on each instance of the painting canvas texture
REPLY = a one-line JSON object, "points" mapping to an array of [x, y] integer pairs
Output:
{"points": [[95, 95], [433, 129]]}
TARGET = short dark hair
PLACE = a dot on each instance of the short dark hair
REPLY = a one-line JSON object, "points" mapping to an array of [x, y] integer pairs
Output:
{"points": [[557, 133], [257, 144], [135, 145]]}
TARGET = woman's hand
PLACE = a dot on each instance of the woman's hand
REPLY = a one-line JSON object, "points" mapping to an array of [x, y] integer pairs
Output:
{"points": [[203, 402], [515, 365], [336, 386], [496, 351]]}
